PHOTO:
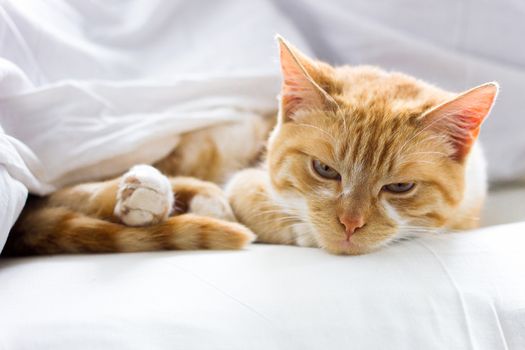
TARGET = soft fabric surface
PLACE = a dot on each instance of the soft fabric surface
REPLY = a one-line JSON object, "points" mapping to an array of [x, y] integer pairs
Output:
{"points": [[456, 291]]}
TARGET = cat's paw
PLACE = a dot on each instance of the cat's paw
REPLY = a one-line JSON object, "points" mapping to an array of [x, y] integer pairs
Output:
{"points": [[144, 197], [213, 205]]}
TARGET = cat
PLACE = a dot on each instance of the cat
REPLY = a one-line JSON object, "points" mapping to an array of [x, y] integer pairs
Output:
{"points": [[358, 158], [361, 157]]}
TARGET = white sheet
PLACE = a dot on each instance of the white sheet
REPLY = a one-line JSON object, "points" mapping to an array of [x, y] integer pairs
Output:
{"points": [[457, 291]]}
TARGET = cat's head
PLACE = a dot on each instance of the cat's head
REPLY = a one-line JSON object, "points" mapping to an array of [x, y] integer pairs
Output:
{"points": [[365, 156]]}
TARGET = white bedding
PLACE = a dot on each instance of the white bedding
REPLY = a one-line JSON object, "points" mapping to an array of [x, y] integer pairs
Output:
{"points": [[459, 291]]}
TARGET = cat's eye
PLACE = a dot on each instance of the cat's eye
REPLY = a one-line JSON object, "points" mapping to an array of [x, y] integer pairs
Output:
{"points": [[400, 187], [325, 171]]}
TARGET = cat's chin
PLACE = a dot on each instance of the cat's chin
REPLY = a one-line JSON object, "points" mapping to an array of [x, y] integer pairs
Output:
{"points": [[344, 247]]}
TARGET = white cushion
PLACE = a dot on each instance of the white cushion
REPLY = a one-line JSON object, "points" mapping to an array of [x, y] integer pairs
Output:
{"points": [[456, 291]]}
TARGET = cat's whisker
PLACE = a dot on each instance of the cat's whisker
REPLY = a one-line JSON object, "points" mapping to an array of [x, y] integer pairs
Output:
{"points": [[399, 153], [416, 228], [432, 152], [269, 212], [342, 116], [416, 161], [426, 153], [319, 129], [280, 211], [429, 125], [280, 219]]}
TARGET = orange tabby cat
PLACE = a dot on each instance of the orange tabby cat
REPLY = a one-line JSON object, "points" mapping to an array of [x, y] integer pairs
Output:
{"points": [[359, 158]]}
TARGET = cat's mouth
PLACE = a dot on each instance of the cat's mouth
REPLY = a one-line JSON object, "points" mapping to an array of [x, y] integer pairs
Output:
{"points": [[365, 240], [347, 244], [344, 246], [357, 244]]}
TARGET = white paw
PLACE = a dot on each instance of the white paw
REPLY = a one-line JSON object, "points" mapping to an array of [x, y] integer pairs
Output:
{"points": [[144, 197], [214, 206]]}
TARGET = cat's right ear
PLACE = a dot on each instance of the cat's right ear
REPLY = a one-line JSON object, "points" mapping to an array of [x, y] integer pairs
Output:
{"points": [[299, 89]]}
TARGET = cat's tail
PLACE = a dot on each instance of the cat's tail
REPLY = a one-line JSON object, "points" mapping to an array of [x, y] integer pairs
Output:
{"points": [[61, 230]]}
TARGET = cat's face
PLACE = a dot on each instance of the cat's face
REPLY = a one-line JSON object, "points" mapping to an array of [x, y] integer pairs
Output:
{"points": [[366, 157]]}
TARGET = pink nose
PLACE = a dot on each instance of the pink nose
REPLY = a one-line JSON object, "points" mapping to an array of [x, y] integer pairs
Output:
{"points": [[351, 224]]}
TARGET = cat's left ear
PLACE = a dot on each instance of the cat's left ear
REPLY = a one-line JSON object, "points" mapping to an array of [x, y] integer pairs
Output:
{"points": [[461, 117], [299, 91]]}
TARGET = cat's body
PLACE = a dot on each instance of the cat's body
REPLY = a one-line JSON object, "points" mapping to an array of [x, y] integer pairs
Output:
{"points": [[359, 158]]}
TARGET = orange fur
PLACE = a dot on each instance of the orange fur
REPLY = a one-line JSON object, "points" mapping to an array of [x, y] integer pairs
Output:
{"points": [[369, 127], [223, 150], [81, 219], [374, 129]]}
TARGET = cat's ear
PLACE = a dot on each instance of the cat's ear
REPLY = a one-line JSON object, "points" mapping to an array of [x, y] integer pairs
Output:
{"points": [[460, 118], [299, 89]]}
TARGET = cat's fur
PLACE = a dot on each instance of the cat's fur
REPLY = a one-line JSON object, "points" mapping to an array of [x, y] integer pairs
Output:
{"points": [[372, 127]]}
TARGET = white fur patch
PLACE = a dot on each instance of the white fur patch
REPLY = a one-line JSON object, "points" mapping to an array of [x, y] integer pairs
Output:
{"points": [[144, 197], [212, 206], [291, 203], [475, 180], [304, 235], [324, 192], [355, 176], [393, 214]]}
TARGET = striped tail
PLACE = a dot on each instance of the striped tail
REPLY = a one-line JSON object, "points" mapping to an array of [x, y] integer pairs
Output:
{"points": [[60, 230]]}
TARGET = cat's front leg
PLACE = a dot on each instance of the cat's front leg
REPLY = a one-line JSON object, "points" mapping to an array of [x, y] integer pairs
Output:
{"points": [[248, 192], [144, 197]]}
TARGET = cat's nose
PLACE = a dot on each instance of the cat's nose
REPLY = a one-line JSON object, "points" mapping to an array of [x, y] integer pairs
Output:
{"points": [[351, 223]]}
